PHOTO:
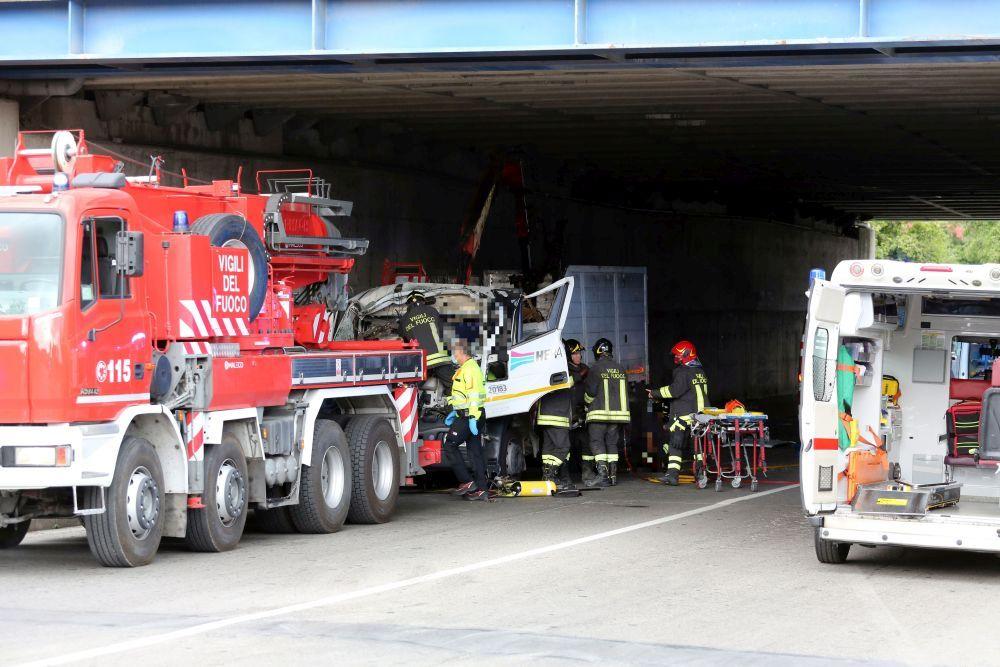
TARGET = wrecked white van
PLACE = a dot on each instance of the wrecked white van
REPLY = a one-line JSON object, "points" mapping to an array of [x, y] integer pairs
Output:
{"points": [[900, 409]]}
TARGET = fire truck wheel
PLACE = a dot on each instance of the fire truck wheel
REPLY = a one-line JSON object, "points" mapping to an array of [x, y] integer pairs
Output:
{"points": [[276, 521], [228, 230], [11, 536], [375, 456], [128, 532], [325, 490], [219, 525], [831, 552]]}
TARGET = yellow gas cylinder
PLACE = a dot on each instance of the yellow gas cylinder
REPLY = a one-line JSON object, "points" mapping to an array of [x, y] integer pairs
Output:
{"points": [[529, 489]]}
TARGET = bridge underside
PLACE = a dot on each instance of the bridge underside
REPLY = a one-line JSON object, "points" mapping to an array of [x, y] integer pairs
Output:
{"points": [[862, 108], [904, 141]]}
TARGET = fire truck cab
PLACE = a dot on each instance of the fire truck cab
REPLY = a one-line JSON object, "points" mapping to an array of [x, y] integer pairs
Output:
{"points": [[900, 407]]}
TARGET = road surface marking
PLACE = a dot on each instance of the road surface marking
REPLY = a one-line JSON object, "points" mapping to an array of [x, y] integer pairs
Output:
{"points": [[202, 628]]}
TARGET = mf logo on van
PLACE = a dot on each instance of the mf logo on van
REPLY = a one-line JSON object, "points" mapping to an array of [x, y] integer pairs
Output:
{"points": [[518, 359]]}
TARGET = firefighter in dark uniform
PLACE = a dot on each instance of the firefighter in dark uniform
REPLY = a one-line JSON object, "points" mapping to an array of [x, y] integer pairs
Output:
{"points": [[606, 396], [688, 394], [578, 426], [555, 418], [422, 322]]}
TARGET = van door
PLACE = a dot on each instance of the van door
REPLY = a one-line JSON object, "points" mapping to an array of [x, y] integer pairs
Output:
{"points": [[537, 361], [818, 418]]}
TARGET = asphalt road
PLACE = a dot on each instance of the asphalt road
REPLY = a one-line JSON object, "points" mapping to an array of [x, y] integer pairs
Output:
{"points": [[638, 574]]}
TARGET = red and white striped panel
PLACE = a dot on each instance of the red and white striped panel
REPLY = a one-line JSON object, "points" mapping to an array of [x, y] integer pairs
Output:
{"points": [[199, 322], [194, 434], [405, 399], [200, 349], [323, 327]]}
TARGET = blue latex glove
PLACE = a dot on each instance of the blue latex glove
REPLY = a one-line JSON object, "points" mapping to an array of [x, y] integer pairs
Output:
{"points": [[449, 420], [473, 426]]}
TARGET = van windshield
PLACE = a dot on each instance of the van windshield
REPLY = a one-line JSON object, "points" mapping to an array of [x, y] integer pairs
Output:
{"points": [[30, 262]]}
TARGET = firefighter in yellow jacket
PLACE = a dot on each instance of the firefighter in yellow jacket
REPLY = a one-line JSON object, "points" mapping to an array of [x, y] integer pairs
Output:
{"points": [[606, 396], [465, 422]]}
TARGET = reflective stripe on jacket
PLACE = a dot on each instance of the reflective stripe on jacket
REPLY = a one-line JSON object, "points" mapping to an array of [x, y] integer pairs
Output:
{"points": [[606, 392], [468, 393]]}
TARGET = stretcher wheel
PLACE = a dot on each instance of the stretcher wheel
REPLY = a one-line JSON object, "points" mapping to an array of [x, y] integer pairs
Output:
{"points": [[753, 486], [737, 482], [718, 485], [702, 479]]}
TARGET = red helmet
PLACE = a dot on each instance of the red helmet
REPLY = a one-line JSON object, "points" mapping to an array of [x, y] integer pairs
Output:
{"points": [[684, 352]]}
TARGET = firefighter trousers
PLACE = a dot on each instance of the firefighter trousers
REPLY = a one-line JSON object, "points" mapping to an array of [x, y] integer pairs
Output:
{"points": [[677, 441], [457, 434], [604, 439], [555, 445]]}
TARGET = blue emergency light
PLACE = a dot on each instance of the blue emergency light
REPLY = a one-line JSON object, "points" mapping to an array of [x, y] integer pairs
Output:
{"points": [[816, 274], [181, 222]]}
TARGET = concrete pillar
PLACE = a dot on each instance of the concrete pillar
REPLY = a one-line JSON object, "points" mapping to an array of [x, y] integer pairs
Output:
{"points": [[8, 126], [866, 241]]}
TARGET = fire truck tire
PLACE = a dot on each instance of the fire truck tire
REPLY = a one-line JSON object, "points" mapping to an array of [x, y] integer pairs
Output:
{"points": [[375, 456], [831, 552], [128, 532], [231, 230], [219, 525], [276, 521], [325, 488], [11, 536]]}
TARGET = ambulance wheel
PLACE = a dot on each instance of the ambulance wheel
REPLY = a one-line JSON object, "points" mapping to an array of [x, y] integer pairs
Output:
{"points": [[718, 484], [218, 526], [325, 491], [701, 479], [737, 482], [228, 230], [828, 551], [12, 535], [375, 456], [128, 532], [276, 521]]}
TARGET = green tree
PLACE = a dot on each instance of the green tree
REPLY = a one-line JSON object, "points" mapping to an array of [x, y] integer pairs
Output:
{"points": [[915, 241], [981, 243]]}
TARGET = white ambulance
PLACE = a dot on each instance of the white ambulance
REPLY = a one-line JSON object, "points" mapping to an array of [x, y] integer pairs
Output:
{"points": [[900, 408]]}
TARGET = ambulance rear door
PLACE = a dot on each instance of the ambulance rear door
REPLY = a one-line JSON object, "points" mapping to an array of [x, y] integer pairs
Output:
{"points": [[818, 418]]}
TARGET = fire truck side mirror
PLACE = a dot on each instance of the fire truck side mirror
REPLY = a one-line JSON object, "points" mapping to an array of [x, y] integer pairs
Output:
{"points": [[128, 253]]}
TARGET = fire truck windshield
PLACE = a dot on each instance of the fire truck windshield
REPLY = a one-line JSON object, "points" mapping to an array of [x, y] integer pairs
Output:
{"points": [[30, 262]]}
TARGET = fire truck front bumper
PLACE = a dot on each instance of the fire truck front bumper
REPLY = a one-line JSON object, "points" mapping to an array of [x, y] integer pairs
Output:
{"points": [[57, 455]]}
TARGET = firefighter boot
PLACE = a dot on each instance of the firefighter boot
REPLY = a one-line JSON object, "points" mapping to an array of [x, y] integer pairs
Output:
{"points": [[550, 473], [612, 473], [601, 480], [672, 478], [587, 472], [564, 482]]}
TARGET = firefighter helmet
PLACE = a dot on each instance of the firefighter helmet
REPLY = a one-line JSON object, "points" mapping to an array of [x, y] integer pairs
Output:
{"points": [[572, 346], [415, 298], [602, 347], [684, 352]]}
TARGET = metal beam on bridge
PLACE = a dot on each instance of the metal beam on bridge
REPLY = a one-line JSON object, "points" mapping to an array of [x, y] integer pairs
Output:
{"points": [[97, 32]]}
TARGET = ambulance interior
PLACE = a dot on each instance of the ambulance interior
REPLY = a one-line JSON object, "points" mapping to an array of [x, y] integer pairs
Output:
{"points": [[923, 392]]}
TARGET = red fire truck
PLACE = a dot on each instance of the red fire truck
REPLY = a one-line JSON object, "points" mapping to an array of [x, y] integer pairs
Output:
{"points": [[161, 368]]}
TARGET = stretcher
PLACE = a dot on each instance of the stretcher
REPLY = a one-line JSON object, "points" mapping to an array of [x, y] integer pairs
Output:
{"points": [[729, 446]]}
